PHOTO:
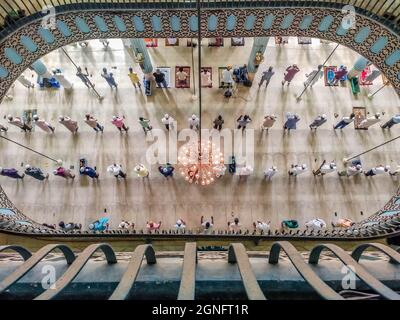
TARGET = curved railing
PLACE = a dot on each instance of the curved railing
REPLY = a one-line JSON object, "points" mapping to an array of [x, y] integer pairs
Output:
{"points": [[13, 13], [237, 254]]}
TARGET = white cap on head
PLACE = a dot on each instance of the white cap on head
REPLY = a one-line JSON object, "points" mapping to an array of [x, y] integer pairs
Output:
{"points": [[377, 114], [323, 116], [9, 116], [91, 226], [387, 167], [27, 166], [61, 118], [166, 115], [35, 117], [304, 166], [194, 116], [55, 171], [358, 166], [114, 117], [274, 168], [179, 222]]}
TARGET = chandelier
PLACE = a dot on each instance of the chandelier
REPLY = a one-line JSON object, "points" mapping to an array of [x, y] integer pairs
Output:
{"points": [[201, 165]]}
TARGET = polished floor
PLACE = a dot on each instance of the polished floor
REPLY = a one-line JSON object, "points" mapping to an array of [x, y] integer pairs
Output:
{"points": [[159, 199]]}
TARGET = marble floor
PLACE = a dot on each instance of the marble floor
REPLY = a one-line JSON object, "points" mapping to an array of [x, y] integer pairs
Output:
{"points": [[250, 199]]}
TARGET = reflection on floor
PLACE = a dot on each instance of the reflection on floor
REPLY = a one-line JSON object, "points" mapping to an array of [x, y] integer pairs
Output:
{"points": [[167, 200]]}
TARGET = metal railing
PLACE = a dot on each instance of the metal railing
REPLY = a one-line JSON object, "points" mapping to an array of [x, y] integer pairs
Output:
{"points": [[15, 13]]}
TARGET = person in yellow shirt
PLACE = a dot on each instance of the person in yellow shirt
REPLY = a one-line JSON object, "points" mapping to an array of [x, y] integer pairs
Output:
{"points": [[134, 78], [141, 171]]}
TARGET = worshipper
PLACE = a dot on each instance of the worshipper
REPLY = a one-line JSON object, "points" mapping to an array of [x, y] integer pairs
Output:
{"points": [[207, 225], [266, 76], [168, 121], [395, 171], [325, 168], [134, 78], [352, 170], [394, 120], [297, 169], [245, 171], [291, 121], [70, 124], [101, 224], [84, 76], [118, 122], [69, 226], [63, 172], [11, 173], [126, 225], [194, 122], [25, 82], [380, 169], [50, 226], [180, 225], [227, 77], [160, 79], [166, 170], [109, 77], [343, 223], [93, 123], [42, 124], [150, 225], [269, 173], [145, 123], [243, 121], [141, 171], [290, 73], [18, 122], [235, 225], [344, 122], [182, 77], [316, 224], [35, 173], [318, 121], [206, 78], [268, 122], [88, 171], [3, 128], [367, 122], [314, 76], [339, 74], [262, 226], [218, 122], [116, 171], [289, 224]]}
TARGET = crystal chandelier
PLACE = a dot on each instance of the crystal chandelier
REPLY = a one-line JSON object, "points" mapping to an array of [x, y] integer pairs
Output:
{"points": [[201, 165]]}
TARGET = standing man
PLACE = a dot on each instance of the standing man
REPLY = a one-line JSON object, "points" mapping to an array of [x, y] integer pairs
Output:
{"points": [[118, 122], [145, 123], [181, 76], [141, 171], [168, 121], [84, 77], [227, 77], [291, 71], [266, 76], [291, 121], [160, 79], [314, 76], [207, 225], [17, 121], [166, 170], [70, 124], [92, 122], [262, 226], [243, 121], [366, 123], [194, 122], [109, 77], [134, 78], [218, 122], [116, 171], [344, 122], [268, 122], [269, 173], [44, 125], [394, 120]]}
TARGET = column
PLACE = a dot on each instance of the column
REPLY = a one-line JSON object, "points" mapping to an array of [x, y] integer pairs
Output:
{"points": [[259, 45], [139, 47], [358, 67]]}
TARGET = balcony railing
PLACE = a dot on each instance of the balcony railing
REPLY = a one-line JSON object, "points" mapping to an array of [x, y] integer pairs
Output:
{"points": [[15, 13]]}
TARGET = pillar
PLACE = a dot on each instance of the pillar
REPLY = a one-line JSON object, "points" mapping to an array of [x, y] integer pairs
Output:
{"points": [[259, 45], [358, 67], [41, 69], [139, 46]]}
